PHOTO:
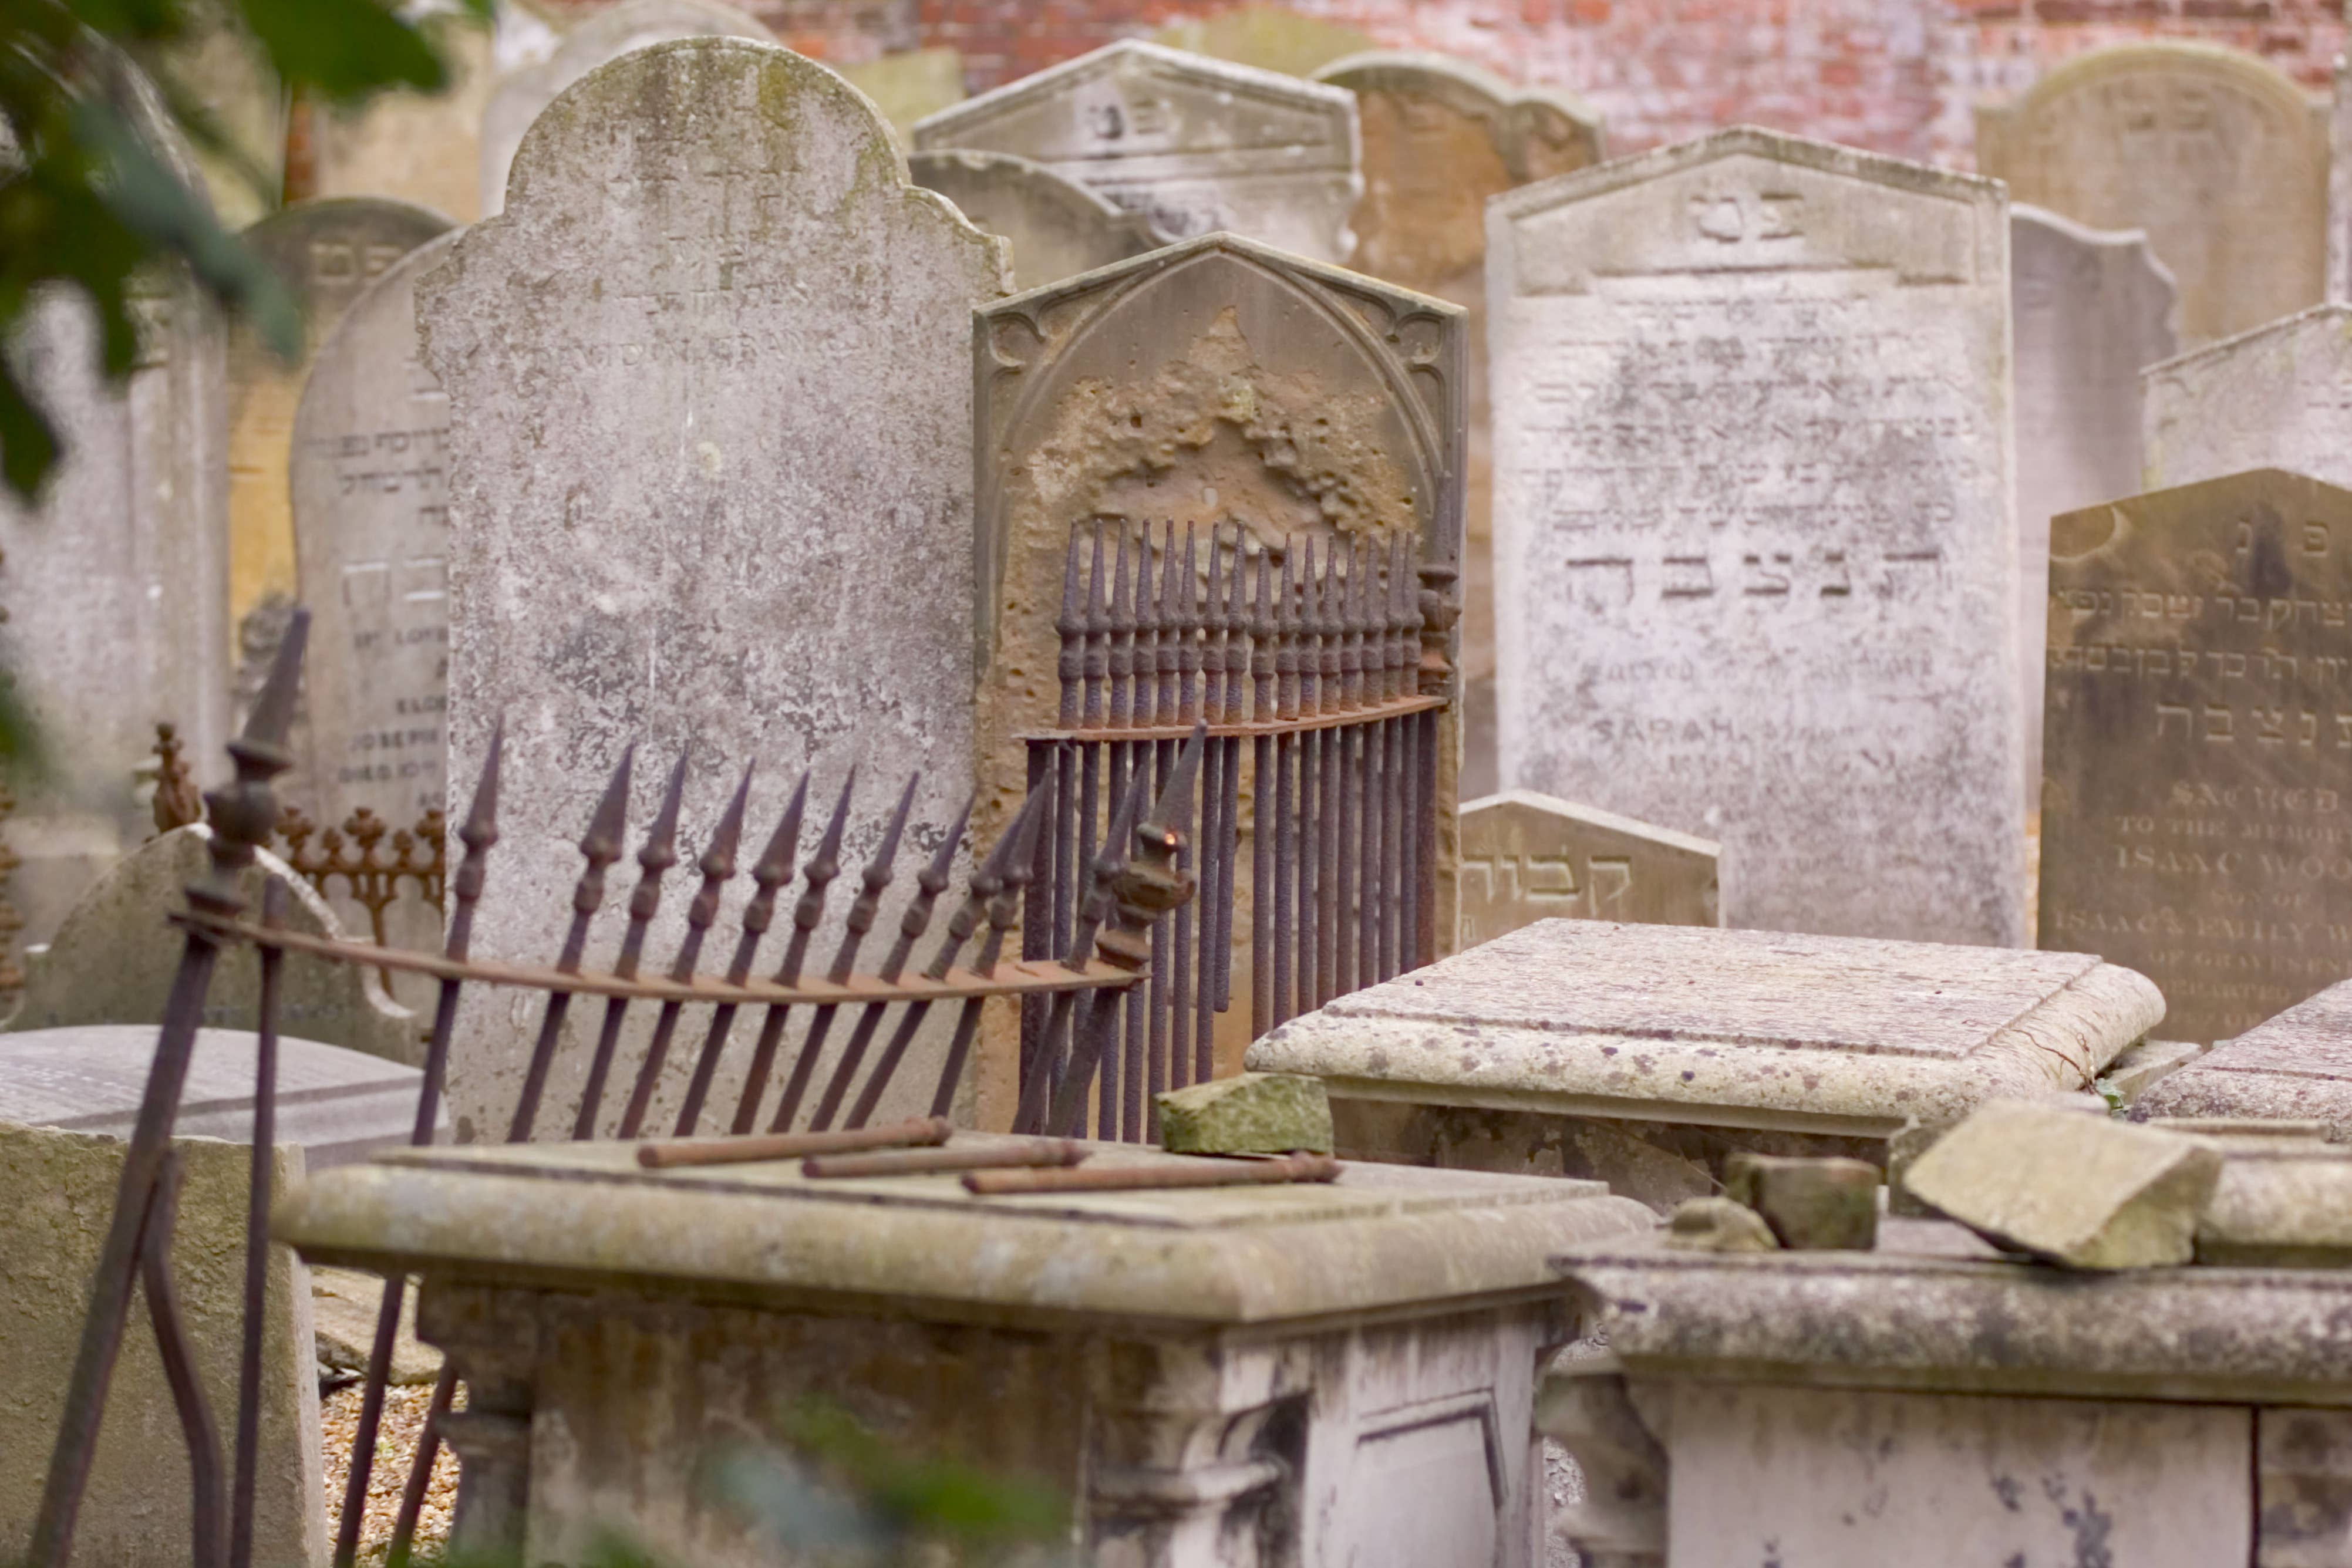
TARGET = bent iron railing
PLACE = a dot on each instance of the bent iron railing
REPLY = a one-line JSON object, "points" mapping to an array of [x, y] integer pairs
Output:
{"points": [[1326, 691], [1136, 879]]}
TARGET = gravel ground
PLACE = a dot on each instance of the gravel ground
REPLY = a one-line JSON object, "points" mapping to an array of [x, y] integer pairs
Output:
{"points": [[395, 1449]]}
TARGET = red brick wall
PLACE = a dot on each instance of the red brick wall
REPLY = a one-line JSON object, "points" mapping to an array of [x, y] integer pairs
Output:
{"points": [[1897, 76]]}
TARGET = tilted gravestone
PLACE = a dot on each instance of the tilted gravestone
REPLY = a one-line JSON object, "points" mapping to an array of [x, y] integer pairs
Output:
{"points": [[2091, 310], [709, 388], [116, 584], [2194, 821], [327, 251], [520, 95], [1527, 857], [2292, 1067], [1056, 228], [1196, 145], [2276, 397], [1226, 387], [2217, 155], [1755, 563], [1440, 138]]}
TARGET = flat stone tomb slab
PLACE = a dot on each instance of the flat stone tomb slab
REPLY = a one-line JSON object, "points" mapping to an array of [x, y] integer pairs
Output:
{"points": [[2296, 1066]]}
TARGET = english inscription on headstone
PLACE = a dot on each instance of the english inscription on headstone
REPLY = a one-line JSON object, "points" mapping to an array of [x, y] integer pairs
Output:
{"points": [[2090, 308], [1527, 857], [2277, 397], [1755, 561], [2194, 813], [1058, 227], [2218, 156], [710, 460], [1194, 144]]}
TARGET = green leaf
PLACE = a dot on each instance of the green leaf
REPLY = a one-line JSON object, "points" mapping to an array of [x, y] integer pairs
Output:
{"points": [[343, 49], [28, 444]]}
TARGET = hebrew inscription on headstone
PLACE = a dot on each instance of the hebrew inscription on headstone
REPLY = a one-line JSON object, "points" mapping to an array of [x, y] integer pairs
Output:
{"points": [[2194, 812], [1194, 144], [2092, 309], [1527, 857], [2218, 156], [1755, 563], [2277, 397]]}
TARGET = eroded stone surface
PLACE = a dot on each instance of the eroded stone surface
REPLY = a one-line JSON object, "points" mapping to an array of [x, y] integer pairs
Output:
{"points": [[2090, 311], [1056, 228], [1253, 1113], [2192, 825], [1824, 1204], [1527, 857], [57, 1195], [2295, 1066], [1767, 597], [2216, 154], [710, 409], [2275, 397], [1196, 145], [1717, 1224]]}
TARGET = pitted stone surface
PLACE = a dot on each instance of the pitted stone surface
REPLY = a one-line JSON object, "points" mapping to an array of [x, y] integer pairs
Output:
{"points": [[2275, 397], [1057, 228], [709, 384], [1527, 857], [2296, 1066], [2218, 155], [1767, 596], [1740, 1028], [1194, 144]]}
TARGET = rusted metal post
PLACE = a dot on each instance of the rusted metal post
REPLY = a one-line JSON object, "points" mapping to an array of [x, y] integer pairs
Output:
{"points": [[822, 867], [769, 876], [654, 861], [600, 847], [718, 866]]}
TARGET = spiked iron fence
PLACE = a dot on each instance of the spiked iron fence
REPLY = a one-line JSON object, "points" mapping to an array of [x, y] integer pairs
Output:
{"points": [[1325, 688], [1133, 881]]}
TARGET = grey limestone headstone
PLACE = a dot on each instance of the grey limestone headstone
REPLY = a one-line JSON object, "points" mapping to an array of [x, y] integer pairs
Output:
{"points": [[2296, 1066], [2091, 310], [113, 957], [2277, 397], [1194, 144], [607, 34], [1057, 228], [116, 583], [2339, 185], [1756, 560], [1527, 857], [709, 384]]}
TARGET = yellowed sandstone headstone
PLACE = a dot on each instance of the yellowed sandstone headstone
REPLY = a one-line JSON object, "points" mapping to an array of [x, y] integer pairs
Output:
{"points": [[411, 146], [1527, 857], [906, 87], [1270, 37], [2218, 157]]}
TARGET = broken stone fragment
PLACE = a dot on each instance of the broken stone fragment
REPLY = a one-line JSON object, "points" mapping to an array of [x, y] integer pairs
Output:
{"points": [[1719, 1225], [2087, 1192], [1812, 1205], [1254, 1113]]}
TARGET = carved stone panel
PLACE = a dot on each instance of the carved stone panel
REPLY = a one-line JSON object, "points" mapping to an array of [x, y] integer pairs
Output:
{"points": [[1220, 385], [1755, 556], [1527, 857], [2218, 156], [2194, 821], [1058, 227], [1196, 145]]}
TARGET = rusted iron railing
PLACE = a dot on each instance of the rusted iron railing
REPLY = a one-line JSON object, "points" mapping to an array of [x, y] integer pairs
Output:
{"points": [[1137, 879], [1323, 682]]}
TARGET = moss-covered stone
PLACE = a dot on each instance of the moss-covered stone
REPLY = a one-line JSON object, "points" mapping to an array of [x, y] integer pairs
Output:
{"points": [[1255, 1113], [1812, 1205], [1719, 1225]]}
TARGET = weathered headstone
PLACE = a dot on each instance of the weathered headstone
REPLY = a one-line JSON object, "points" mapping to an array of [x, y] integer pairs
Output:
{"points": [[1058, 227], [2339, 185], [2295, 1066], [1527, 857], [112, 960], [222, 69], [907, 87], [2194, 821], [710, 386], [1440, 138], [2277, 397], [327, 251], [1752, 524], [520, 95], [2217, 155], [1218, 384], [57, 1193], [425, 148], [1271, 37], [2090, 309], [1195, 144], [117, 583]]}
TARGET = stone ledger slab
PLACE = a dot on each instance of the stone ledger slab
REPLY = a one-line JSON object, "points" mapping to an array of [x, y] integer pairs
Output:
{"points": [[1768, 598], [2216, 154], [1196, 145], [1057, 228], [2277, 396], [2296, 1066], [2090, 308], [2192, 822], [711, 405], [1647, 1053], [1527, 857]]}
